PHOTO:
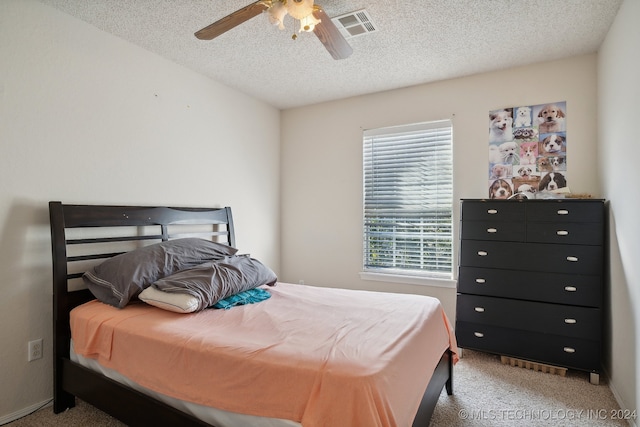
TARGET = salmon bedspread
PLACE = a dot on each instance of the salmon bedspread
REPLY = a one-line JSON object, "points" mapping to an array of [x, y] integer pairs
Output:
{"points": [[322, 357]]}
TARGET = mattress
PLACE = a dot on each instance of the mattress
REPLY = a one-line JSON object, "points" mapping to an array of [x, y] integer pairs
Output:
{"points": [[314, 356]]}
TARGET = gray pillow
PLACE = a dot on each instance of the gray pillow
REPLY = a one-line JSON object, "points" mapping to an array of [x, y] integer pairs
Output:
{"points": [[119, 279], [219, 279]]}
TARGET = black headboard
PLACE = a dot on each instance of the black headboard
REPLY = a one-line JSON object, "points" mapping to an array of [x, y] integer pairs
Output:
{"points": [[131, 225], [83, 235]]}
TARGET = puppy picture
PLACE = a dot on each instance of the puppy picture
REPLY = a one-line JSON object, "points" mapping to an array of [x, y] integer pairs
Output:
{"points": [[553, 143], [529, 183], [523, 117], [525, 172], [509, 152], [525, 134], [551, 119], [500, 189], [494, 154], [558, 163], [543, 164], [528, 153], [500, 171], [527, 188], [552, 181], [501, 125], [524, 191]]}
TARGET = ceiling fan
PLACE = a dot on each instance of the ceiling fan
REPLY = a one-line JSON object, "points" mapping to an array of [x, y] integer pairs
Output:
{"points": [[312, 18]]}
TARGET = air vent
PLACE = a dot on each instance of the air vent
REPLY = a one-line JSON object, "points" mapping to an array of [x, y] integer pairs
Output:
{"points": [[355, 24]]}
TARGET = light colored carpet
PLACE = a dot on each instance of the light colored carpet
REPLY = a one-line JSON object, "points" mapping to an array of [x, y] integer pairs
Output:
{"points": [[82, 415], [486, 393]]}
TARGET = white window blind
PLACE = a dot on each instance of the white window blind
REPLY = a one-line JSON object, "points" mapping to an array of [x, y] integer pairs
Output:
{"points": [[408, 199]]}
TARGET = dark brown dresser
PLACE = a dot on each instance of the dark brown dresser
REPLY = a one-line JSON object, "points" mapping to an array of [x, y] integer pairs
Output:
{"points": [[530, 283]]}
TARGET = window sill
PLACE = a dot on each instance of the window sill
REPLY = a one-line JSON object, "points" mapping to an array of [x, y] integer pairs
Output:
{"points": [[411, 280]]}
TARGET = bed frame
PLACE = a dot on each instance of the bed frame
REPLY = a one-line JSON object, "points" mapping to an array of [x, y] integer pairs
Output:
{"points": [[139, 225]]}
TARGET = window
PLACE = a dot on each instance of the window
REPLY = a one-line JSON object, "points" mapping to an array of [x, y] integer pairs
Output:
{"points": [[408, 200]]}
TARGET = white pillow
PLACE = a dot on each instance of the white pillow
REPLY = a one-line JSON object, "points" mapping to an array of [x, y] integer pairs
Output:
{"points": [[176, 302]]}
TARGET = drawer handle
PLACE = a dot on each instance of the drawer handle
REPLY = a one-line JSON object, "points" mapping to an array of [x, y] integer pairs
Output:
{"points": [[480, 280], [572, 258], [569, 350], [570, 321], [483, 253], [478, 334], [479, 309], [492, 230], [570, 288], [492, 211], [563, 212], [562, 233]]}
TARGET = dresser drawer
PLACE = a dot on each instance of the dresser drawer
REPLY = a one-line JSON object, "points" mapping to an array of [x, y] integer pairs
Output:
{"points": [[573, 289], [573, 233], [506, 231], [538, 347], [566, 320], [569, 259], [566, 211], [493, 211]]}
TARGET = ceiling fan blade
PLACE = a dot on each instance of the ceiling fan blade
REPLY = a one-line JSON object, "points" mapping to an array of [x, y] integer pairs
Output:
{"points": [[228, 22], [330, 36]]}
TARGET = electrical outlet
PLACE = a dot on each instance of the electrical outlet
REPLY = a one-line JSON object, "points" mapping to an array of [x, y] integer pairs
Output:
{"points": [[35, 350]]}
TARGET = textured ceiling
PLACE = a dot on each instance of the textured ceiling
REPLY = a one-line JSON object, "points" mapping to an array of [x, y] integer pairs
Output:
{"points": [[418, 41]]}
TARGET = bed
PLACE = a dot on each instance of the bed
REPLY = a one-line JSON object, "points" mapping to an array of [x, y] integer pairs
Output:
{"points": [[84, 236]]}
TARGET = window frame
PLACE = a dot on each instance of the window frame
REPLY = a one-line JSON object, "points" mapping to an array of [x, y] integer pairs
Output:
{"points": [[400, 134]]}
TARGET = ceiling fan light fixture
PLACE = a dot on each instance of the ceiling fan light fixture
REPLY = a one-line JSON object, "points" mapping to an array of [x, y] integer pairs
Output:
{"points": [[302, 10], [312, 18], [308, 23], [277, 11], [299, 9]]}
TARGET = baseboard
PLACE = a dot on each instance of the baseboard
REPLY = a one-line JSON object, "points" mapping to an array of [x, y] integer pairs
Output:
{"points": [[632, 422], [616, 396], [24, 412]]}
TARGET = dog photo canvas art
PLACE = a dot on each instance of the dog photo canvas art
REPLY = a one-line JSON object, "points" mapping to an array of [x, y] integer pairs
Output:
{"points": [[527, 149]]}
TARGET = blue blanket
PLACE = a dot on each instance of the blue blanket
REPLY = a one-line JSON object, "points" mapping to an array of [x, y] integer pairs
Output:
{"points": [[245, 297]]}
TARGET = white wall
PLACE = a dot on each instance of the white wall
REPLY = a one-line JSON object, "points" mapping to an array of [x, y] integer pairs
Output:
{"points": [[618, 94], [322, 159], [89, 118]]}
